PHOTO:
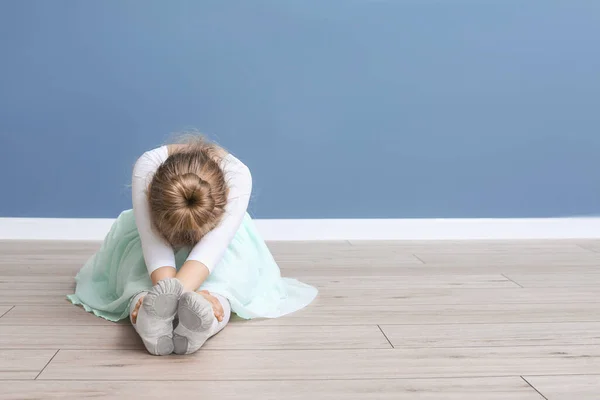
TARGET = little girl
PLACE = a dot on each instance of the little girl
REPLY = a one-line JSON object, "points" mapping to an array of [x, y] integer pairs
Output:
{"points": [[188, 249]]}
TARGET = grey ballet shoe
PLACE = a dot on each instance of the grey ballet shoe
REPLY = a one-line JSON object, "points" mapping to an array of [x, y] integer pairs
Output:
{"points": [[197, 322], [155, 317]]}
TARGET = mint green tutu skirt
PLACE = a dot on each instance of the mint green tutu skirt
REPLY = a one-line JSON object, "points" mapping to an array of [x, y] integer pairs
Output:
{"points": [[247, 276]]}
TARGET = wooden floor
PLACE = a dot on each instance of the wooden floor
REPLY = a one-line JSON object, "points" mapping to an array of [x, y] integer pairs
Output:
{"points": [[396, 320]]}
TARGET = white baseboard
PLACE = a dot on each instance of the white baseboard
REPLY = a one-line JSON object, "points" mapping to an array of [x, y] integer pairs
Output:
{"points": [[335, 229]]}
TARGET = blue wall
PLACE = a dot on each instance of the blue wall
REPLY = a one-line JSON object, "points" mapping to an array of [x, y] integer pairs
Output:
{"points": [[341, 108]]}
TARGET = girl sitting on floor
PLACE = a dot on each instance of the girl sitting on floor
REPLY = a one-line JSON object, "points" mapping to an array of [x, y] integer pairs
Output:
{"points": [[188, 249]]}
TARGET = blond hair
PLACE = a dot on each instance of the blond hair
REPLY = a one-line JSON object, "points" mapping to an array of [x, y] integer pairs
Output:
{"points": [[188, 192]]}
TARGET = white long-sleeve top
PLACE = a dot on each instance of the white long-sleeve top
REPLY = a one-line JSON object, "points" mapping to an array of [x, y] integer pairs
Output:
{"points": [[209, 251]]}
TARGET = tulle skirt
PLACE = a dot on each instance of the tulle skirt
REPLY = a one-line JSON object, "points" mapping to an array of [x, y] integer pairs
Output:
{"points": [[247, 276]]}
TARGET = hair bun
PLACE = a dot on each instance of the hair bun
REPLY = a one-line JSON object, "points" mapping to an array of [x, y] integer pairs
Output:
{"points": [[195, 192], [187, 195]]}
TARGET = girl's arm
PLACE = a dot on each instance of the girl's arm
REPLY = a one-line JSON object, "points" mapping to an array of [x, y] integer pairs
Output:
{"points": [[158, 254], [210, 250]]}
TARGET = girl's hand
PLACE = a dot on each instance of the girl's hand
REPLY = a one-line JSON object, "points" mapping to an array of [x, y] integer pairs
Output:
{"points": [[216, 304], [134, 314]]}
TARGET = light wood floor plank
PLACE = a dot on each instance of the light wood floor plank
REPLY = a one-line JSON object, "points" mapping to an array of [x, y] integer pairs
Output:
{"points": [[113, 336], [483, 243], [427, 314], [23, 364], [242, 337], [34, 288], [530, 280], [40, 268], [4, 309], [296, 247], [318, 314], [325, 364], [40, 315], [350, 283], [385, 269], [591, 245], [51, 282], [510, 388], [118, 336], [35, 297], [473, 247], [489, 335], [391, 298], [350, 257], [567, 387], [586, 258], [27, 247]]}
